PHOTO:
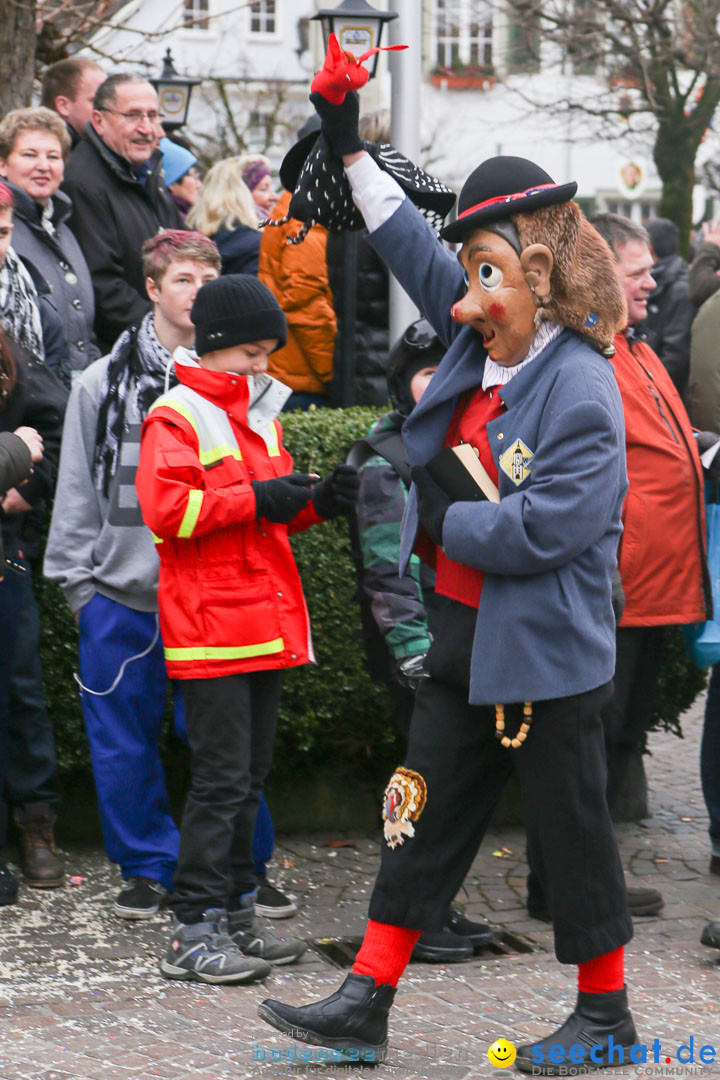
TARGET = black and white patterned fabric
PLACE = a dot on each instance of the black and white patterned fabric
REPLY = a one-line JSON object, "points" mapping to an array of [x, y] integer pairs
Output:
{"points": [[321, 192], [19, 305]]}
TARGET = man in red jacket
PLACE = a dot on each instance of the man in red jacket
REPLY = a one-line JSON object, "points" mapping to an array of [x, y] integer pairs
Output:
{"points": [[662, 551]]}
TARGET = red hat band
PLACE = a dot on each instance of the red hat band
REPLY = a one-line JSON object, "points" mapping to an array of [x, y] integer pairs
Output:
{"points": [[505, 199]]}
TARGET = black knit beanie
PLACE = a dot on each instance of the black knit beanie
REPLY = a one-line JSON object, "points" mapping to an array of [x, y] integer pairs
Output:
{"points": [[235, 310]]}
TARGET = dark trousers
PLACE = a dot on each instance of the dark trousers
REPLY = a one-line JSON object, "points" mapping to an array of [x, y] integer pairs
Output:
{"points": [[231, 724], [710, 758], [630, 712], [571, 842], [625, 718], [11, 592], [31, 763]]}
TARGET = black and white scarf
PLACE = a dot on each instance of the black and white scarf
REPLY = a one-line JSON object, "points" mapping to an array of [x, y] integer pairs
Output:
{"points": [[19, 305], [138, 363]]}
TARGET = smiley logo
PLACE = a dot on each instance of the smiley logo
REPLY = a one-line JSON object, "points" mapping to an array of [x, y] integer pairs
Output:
{"points": [[502, 1053]]}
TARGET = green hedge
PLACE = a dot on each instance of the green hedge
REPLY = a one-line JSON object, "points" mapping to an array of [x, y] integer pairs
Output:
{"points": [[333, 719]]}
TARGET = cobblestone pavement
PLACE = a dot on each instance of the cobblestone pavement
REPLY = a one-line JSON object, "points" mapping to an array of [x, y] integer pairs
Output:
{"points": [[81, 997]]}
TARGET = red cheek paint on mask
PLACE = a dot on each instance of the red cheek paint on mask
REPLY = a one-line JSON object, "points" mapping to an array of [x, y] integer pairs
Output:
{"points": [[454, 312], [496, 312]]}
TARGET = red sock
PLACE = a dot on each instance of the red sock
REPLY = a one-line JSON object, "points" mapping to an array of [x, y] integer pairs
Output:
{"points": [[602, 974], [385, 952]]}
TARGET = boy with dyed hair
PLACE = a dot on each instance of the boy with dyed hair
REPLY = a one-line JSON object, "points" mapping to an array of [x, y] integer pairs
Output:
{"points": [[103, 557]]}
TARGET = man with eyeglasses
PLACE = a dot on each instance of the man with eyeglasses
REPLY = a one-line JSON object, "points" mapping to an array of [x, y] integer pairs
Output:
{"points": [[115, 180]]}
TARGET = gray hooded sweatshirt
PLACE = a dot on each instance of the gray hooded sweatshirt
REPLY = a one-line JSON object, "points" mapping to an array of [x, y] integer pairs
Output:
{"points": [[97, 544]]}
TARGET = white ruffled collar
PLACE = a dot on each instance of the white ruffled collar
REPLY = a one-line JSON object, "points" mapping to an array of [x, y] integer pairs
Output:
{"points": [[497, 375]]}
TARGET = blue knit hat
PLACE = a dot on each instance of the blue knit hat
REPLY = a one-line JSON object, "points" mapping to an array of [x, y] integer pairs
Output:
{"points": [[176, 160]]}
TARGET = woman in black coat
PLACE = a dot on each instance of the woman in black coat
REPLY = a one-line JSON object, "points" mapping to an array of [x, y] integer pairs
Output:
{"points": [[32, 406]]}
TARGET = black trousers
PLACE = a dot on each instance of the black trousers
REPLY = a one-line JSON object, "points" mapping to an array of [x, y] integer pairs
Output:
{"points": [[630, 712], [571, 842], [626, 717], [231, 723]]}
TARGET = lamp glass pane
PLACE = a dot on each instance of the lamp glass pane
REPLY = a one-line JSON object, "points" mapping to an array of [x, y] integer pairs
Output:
{"points": [[357, 37], [173, 101]]}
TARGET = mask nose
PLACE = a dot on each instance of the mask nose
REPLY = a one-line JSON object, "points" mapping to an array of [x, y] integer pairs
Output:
{"points": [[463, 311]]}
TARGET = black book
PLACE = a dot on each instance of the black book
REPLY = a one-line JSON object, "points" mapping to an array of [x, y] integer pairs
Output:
{"points": [[461, 475]]}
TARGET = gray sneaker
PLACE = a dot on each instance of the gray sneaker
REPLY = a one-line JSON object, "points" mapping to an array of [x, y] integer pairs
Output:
{"points": [[254, 939], [204, 952]]}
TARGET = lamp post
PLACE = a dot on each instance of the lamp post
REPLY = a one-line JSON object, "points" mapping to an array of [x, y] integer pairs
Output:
{"points": [[406, 73], [173, 93], [358, 26]]}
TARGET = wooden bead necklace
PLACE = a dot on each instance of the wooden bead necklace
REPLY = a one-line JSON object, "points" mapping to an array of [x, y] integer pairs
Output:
{"points": [[522, 732]]}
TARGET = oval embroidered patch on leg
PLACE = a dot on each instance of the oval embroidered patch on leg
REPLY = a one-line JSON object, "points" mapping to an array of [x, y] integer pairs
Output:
{"points": [[403, 803]]}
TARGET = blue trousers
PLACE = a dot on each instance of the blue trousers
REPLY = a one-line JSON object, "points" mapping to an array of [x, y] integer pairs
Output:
{"points": [[710, 758], [124, 728]]}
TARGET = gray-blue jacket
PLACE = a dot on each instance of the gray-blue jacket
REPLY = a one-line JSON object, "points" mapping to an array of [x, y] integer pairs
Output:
{"points": [[545, 626]]}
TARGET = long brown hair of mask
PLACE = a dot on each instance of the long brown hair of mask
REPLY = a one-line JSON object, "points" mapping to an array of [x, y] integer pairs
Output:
{"points": [[585, 293]]}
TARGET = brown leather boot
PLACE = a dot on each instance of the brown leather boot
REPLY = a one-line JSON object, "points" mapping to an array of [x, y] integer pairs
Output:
{"points": [[39, 858]]}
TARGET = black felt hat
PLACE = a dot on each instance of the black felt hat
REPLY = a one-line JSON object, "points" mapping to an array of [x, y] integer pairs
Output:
{"points": [[502, 186], [234, 310], [321, 191]]}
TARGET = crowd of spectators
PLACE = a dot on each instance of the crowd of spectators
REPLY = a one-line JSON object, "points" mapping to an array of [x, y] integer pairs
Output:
{"points": [[108, 231]]}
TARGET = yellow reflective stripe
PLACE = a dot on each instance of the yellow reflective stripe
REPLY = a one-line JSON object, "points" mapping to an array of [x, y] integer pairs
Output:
{"points": [[272, 442], [225, 652], [170, 403], [217, 453], [157, 539], [192, 513]]}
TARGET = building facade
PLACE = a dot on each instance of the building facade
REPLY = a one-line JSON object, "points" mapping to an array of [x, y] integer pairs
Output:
{"points": [[490, 86]]}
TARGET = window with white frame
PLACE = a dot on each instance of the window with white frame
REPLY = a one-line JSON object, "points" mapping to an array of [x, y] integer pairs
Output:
{"points": [[463, 33], [263, 17], [195, 14]]}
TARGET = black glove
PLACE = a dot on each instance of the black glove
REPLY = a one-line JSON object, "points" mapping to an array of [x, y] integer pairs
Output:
{"points": [[705, 440], [340, 123], [410, 671], [337, 493], [281, 499], [433, 503]]}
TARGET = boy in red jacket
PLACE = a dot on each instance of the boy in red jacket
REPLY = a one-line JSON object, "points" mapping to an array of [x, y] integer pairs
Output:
{"points": [[217, 489]]}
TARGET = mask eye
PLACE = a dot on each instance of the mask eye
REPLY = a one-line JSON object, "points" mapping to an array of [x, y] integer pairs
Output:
{"points": [[490, 276], [466, 279]]}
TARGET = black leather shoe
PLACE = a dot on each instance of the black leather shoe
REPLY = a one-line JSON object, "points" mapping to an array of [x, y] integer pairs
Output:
{"points": [[642, 900], [442, 947], [353, 1018], [479, 934], [596, 1019], [711, 935]]}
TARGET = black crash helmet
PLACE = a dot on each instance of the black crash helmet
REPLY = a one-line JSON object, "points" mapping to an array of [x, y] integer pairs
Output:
{"points": [[419, 347]]}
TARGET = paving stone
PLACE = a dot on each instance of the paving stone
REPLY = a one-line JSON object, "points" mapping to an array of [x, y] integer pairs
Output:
{"points": [[81, 997]]}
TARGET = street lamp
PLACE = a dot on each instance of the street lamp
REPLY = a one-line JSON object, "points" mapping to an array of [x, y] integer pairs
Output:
{"points": [[357, 25], [173, 93]]}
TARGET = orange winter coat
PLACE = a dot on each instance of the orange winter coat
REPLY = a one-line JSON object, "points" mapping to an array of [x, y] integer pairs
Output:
{"points": [[297, 277], [662, 550], [230, 596]]}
